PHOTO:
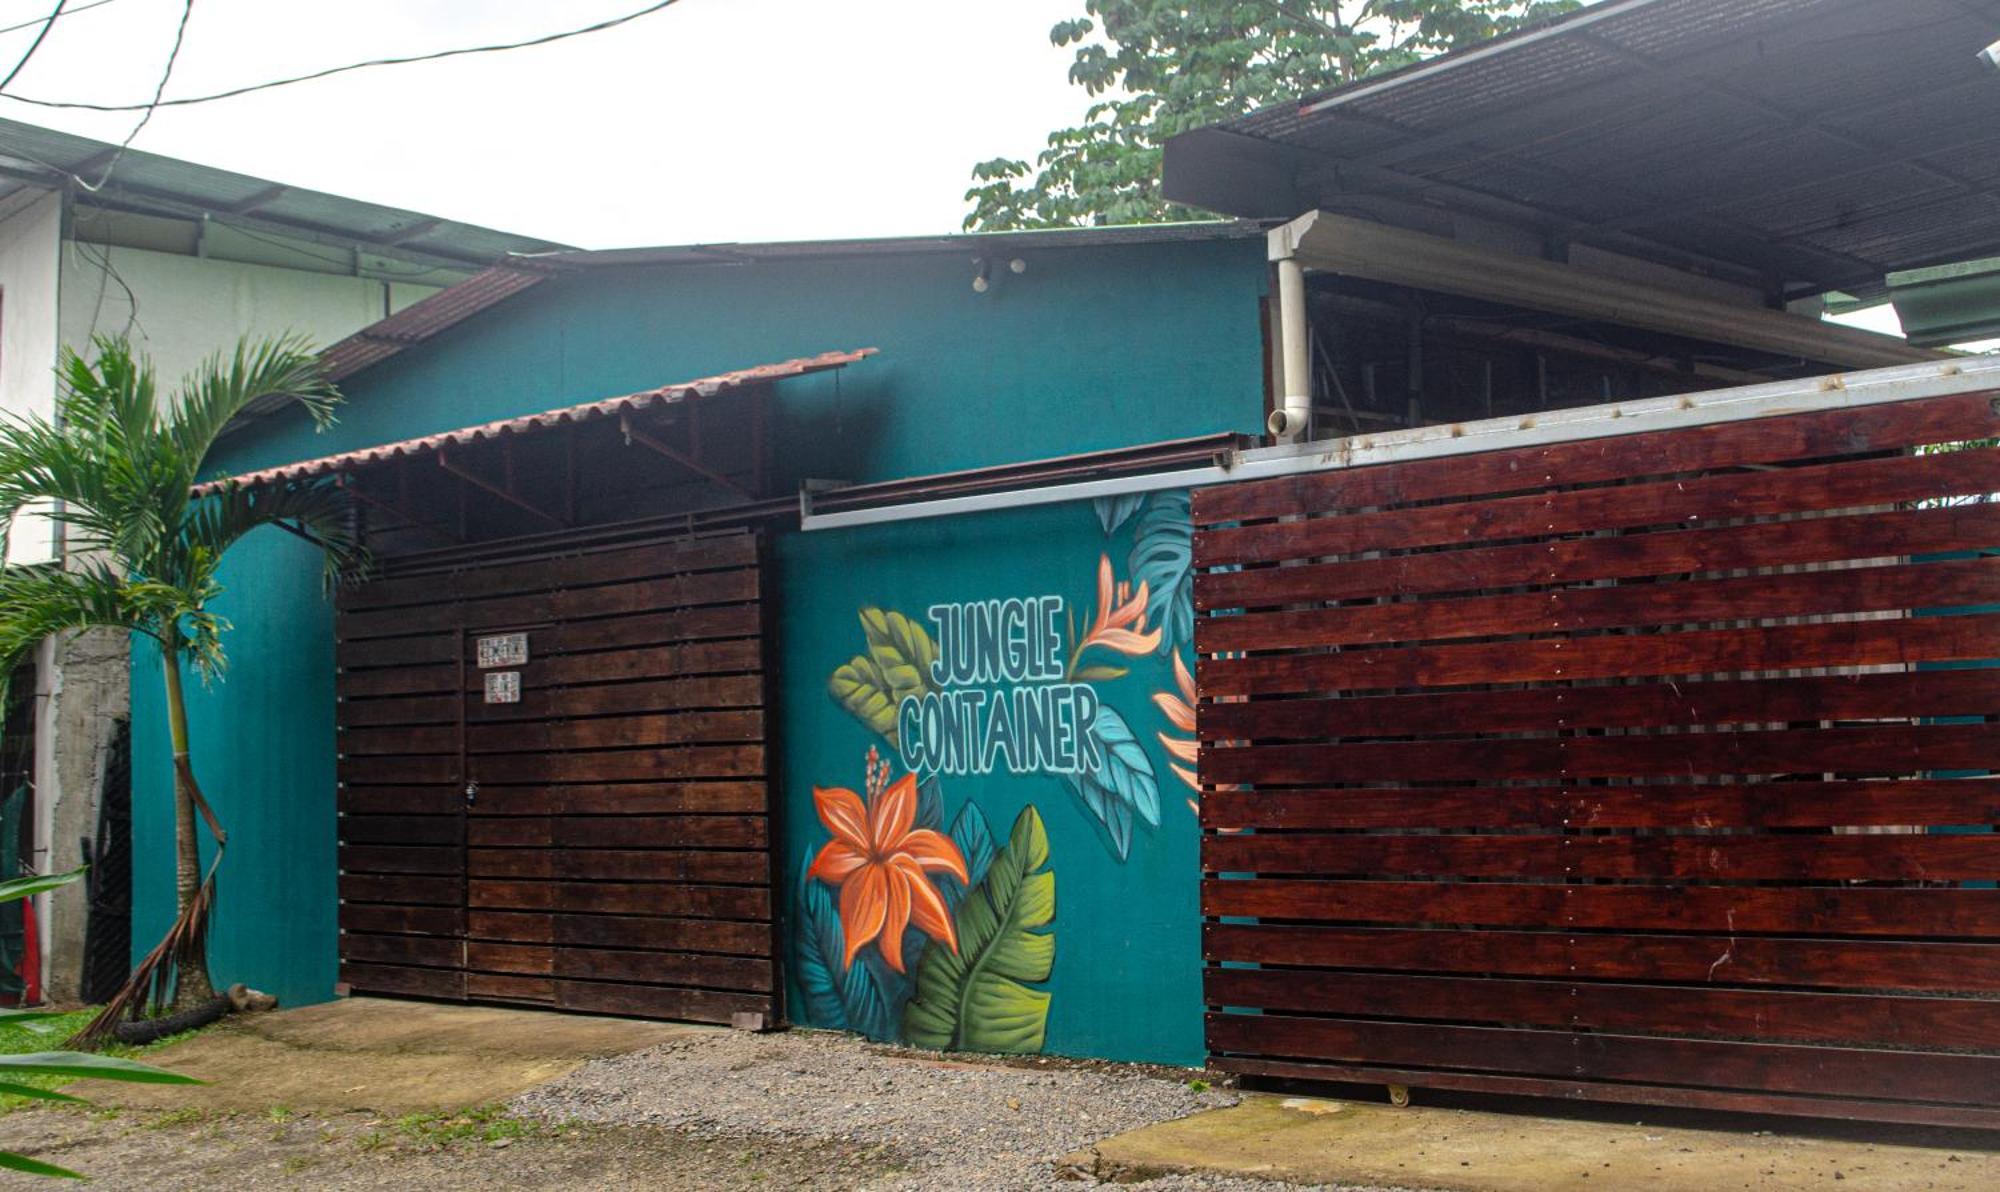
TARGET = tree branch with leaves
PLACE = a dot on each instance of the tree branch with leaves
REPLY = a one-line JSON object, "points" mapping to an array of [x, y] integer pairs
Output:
{"points": [[1155, 69]]}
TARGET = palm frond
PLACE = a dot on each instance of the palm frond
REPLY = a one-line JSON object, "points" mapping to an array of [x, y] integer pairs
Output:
{"points": [[41, 602], [223, 387], [321, 512]]}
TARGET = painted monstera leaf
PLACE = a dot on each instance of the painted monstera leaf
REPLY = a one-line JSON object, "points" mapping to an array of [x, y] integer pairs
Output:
{"points": [[976, 999], [1113, 512], [1163, 557], [898, 663], [837, 997], [1123, 785]]}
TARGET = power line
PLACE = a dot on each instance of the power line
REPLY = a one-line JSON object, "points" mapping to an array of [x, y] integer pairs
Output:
{"points": [[48, 22], [545, 39], [173, 56], [67, 12]]}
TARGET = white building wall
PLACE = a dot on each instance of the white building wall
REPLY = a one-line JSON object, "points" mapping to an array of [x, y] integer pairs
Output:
{"points": [[30, 252], [180, 309], [177, 309]]}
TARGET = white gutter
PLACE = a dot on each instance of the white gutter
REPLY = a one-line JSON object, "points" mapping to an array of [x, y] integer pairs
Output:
{"points": [[1908, 382], [1292, 420]]}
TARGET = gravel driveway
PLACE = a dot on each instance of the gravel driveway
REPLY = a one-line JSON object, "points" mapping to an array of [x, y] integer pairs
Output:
{"points": [[939, 1123], [706, 1110]]}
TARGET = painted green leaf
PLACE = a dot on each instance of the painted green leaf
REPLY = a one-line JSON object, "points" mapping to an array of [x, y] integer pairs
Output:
{"points": [[860, 688], [902, 651], [1099, 674], [975, 999]]}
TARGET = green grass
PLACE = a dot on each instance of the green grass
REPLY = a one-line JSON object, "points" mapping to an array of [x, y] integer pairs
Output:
{"points": [[484, 1123], [18, 1038]]}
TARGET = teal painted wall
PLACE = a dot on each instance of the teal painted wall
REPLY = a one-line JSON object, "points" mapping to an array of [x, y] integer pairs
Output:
{"points": [[1090, 348], [262, 742], [1122, 845]]}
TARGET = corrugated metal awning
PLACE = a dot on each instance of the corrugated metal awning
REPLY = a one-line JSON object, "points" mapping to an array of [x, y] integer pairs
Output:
{"points": [[1798, 146], [349, 461]]}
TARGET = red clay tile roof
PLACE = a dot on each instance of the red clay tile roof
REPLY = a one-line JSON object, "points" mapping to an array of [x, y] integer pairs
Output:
{"points": [[589, 411]]}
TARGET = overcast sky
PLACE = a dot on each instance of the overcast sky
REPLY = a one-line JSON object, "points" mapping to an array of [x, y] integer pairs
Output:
{"points": [[712, 120]]}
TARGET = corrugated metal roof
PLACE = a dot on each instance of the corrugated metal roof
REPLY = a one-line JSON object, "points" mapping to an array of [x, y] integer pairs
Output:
{"points": [[971, 243], [348, 461], [1815, 144], [426, 317], [148, 182]]}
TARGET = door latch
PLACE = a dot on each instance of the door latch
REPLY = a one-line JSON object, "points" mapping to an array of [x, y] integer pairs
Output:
{"points": [[471, 793]]}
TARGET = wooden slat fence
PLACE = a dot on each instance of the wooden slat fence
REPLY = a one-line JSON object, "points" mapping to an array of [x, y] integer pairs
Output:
{"points": [[1613, 769], [602, 844]]}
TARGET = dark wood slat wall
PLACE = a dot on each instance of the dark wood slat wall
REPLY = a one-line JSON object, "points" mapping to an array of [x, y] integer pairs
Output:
{"points": [[616, 854], [1615, 769]]}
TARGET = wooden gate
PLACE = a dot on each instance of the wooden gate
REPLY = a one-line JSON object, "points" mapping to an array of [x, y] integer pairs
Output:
{"points": [[552, 783], [1615, 769]]}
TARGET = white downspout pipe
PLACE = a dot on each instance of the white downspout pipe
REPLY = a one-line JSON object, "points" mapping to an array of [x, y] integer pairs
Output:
{"points": [[1291, 420]]}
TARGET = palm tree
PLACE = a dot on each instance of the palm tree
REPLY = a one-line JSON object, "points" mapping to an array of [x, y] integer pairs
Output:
{"points": [[119, 467]]}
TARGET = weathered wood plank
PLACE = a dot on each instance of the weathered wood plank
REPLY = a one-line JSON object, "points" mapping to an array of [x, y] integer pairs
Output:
{"points": [[1707, 959], [1593, 461], [1954, 801], [1959, 914], [1626, 556], [1917, 1023]]}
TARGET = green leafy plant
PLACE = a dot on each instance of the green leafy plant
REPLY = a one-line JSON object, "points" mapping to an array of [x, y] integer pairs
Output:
{"points": [[119, 463], [76, 1064], [977, 999], [1156, 68]]}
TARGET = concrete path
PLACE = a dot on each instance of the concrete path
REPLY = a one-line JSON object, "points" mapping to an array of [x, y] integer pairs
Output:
{"points": [[381, 1056], [1311, 1141]]}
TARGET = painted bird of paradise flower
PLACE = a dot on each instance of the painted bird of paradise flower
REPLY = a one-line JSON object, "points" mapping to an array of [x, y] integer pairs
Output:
{"points": [[1178, 707], [1120, 625], [881, 863]]}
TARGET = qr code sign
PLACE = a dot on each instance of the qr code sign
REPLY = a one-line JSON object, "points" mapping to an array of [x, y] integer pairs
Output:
{"points": [[503, 687], [504, 649]]}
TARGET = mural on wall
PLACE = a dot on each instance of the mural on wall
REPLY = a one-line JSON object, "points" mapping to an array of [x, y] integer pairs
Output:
{"points": [[914, 923]]}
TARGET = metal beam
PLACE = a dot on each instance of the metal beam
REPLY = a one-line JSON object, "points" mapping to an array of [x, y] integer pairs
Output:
{"points": [[262, 198], [1715, 406], [1356, 248], [634, 434], [395, 510], [484, 485]]}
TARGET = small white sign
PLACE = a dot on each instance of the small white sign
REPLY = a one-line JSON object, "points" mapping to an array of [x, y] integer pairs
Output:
{"points": [[503, 649], [503, 687]]}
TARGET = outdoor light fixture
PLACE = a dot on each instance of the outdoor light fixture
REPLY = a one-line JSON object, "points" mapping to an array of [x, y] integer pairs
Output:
{"points": [[1991, 55], [982, 275]]}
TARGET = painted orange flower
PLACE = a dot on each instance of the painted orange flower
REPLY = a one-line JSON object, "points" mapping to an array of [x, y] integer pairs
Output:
{"points": [[1179, 711], [1121, 616], [882, 864]]}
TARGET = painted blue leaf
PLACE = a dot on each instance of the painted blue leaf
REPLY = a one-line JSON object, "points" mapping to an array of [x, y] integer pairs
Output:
{"points": [[1113, 818], [836, 997], [974, 838], [930, 804], [1113, 512], [1123, 784], [1163, 557]]}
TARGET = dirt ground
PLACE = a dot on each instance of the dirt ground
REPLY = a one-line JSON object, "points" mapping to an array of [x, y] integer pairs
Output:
{"points": [[207, 1150], [376, 1095]]}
